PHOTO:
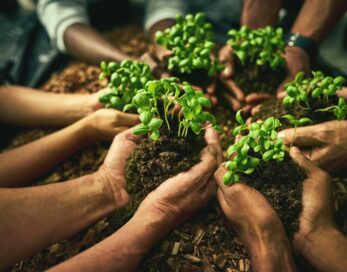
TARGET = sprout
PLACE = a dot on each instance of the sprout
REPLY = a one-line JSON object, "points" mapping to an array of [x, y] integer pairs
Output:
{"points": [[124, 80], [169, 93], [190, 41], [296, 123], [301, 90], [261, 139], [263, 46]]}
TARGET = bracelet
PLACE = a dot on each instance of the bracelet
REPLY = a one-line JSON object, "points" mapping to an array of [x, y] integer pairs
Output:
{"points": [[306, 44]]}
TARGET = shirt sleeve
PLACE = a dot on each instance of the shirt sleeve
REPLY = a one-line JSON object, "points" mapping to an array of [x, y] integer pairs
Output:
{"points": [[157, 10], [57, 15]]}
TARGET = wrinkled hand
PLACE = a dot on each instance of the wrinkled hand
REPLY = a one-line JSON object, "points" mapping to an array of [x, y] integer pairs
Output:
{"points": [[104, 124], [236, 97], [317, 200], [112, 171], [297, 60], [325, 144], [250, 214], [176, 199]]}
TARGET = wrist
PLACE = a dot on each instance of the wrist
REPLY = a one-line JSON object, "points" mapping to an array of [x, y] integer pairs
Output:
{"points": [[113, 186]]}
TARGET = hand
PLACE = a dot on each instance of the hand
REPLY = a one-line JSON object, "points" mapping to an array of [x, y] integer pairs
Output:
{"points": [[104, 124], [297, 60], [236, 97], [93, 99], [342, 93], [112, 171], [256, 223], [325, 144], [155, 67], [176, 199], [317, 200]]}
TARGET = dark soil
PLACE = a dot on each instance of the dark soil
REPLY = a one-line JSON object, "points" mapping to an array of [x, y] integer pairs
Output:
{"points": [[260, 79], [277, 109], [197, 77], [281, 184]]}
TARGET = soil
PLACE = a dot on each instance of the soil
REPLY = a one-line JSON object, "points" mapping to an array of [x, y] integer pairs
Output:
{"points": [[206, 242], [153, 162], [260, 79], [197, 77], [281, 184], [277, 109]]}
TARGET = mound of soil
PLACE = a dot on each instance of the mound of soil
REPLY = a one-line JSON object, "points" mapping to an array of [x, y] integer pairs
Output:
{"points": [[277, 109], [281, 184], [261, 79]]}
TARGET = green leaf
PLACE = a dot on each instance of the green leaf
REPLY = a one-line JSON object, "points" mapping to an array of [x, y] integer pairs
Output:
{"points": [[305, 121], [195, 126], [140, 129], [268, 155], [154, 135], [204, 101], [146, 117], [239, 118], [155, 124]]}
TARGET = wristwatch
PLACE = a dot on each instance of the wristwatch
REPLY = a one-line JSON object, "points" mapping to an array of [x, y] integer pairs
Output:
{"points": [[306, 44]]}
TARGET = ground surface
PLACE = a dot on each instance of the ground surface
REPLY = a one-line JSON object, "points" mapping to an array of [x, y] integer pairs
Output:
{"points": [[204, 243]]}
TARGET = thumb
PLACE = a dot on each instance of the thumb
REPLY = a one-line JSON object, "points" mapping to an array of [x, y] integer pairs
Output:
{"points": [[306, 165], [126, 119], [301, 137]]}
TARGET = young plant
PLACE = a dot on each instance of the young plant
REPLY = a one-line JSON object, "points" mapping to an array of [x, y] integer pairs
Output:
{"points": [[263, 46], [191, 42], [260, 144], [124, 80], [156, 103], [296, 123], [303, 90], [339, 110]]}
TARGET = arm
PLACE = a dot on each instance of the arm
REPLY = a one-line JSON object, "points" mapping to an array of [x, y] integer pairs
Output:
{"points": [[257, 14], [174, 201], [36, 158], [22, 106], [318, 240], [34, 218], [257, 225], [317, 17], [67, 25]]}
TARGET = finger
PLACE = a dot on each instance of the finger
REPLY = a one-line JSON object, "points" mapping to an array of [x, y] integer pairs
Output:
{"points": [[234, 104], [213, 141], [255, 110], [301, 137], [256, 98], [342, 93], [281, 95], [218, 176], [211, 88], [234, 89], [213, 99], [247, 109], [126, 119], [226, 58], [306, 165]]}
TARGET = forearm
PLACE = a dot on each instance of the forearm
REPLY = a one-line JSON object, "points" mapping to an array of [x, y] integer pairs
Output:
{"points": [[84, 43], [317, 17], [34, 218], [257, 14], [123, 250], [21, 165], [27, 107], [324, 250]]}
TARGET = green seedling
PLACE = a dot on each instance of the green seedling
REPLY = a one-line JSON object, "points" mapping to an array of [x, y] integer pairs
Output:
{"points": [[262, 139], [263, 46], [340, 110], [124, 80], [296, 123], [168, 94], [320, 87], [191, 42]]}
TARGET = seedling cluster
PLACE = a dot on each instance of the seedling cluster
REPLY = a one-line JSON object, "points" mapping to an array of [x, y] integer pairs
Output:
{"points": [[191, 43], [303, 90], [260, 138], [263, 46], [124, 80], [156, 103]]}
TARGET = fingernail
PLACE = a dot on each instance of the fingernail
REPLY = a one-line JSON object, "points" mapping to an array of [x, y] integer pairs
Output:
{"points": [[295, 150]]}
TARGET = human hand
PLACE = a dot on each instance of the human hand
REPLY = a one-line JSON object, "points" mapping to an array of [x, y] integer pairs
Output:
{"points": [[104, 124], [156, 68], [317, 200], [93, 99], [342, 93], [325, 144], [235, 96], [176, 199], [112, 171], [257, 225], [297, 60]]}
